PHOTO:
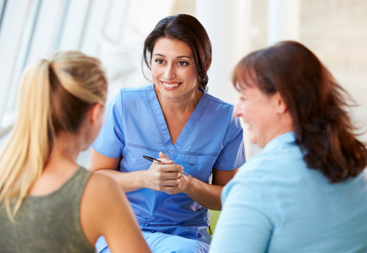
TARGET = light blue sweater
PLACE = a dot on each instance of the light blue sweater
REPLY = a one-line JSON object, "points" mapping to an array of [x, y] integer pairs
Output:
{"points": [[276, 204]]}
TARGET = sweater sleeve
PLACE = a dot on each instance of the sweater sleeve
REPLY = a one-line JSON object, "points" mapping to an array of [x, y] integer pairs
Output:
{"points": [[246, 221]]}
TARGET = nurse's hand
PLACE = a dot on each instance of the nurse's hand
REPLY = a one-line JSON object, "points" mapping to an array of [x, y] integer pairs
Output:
{"points": [[182, 183], [163, 177]]}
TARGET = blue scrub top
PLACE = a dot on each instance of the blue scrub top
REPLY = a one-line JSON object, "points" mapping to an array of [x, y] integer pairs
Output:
{"points": [[135, 126]]}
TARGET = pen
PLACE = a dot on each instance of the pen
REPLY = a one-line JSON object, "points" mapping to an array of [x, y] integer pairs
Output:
{"points": [[159, 162]]}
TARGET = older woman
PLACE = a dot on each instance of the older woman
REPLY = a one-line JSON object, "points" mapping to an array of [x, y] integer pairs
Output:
{"points": [[305, 192]]}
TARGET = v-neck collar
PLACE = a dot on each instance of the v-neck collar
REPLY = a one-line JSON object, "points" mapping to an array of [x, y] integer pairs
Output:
{"points": [[171, 149]]}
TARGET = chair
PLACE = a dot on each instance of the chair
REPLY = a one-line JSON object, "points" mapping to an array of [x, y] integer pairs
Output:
{"points": [[214, 215]]}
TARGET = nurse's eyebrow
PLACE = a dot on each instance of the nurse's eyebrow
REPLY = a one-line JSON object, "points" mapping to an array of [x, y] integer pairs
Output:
{"points": [[184, 56], [159, 55], [181, 56]]}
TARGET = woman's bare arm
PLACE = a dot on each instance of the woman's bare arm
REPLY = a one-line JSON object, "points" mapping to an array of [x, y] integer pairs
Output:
{"points": [[106, 211]]}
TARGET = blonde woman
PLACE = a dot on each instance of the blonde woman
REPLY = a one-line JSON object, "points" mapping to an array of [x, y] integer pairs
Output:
{"points": [[48, 203]]}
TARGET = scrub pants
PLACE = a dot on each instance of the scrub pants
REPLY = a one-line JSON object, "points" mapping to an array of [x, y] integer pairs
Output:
{"points": [[164, 243]]}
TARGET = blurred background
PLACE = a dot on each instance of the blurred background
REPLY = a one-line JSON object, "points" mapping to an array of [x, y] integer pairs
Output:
{"points": [[114, 31]]}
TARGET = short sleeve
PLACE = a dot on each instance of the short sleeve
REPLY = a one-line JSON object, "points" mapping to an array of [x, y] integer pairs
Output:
{"points": [[232, 156], [110, 141]]}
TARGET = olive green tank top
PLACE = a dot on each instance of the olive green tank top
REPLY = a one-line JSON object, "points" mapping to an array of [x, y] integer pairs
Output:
{"points": [[48, 223]]}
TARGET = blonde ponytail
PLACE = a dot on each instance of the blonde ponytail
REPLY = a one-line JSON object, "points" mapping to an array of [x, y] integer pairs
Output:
{"points": [[47, 90]]}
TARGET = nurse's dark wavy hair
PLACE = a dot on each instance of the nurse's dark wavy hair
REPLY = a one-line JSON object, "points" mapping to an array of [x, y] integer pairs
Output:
{"points": [[188, 29], [323, 129]]}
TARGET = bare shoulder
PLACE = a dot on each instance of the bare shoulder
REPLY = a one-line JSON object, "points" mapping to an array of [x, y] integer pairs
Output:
{"points": [[105, 210], [100, 196], [102, 188]]}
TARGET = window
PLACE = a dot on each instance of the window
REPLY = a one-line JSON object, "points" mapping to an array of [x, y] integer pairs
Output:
{"points": [[112, 30]]}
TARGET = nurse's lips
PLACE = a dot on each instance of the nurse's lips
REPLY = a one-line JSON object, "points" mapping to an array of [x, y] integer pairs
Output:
{"points": [[170, 85]]}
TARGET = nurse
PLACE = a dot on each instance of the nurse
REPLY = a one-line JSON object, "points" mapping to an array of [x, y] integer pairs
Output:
{"points": [[188, 130]]}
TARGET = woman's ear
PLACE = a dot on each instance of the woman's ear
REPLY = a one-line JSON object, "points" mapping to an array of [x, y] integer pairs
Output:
{"points": [[94, 113], [281, 106]]}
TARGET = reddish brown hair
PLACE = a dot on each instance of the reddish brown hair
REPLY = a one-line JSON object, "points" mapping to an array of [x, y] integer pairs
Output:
{"points": [[316, 103]]}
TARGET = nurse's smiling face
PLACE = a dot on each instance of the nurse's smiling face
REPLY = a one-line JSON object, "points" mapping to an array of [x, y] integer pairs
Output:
{"points": [[173, 70]]}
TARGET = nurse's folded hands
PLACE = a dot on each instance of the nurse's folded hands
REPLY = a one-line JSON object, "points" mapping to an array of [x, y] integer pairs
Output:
{"points": [[164, 177]]}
